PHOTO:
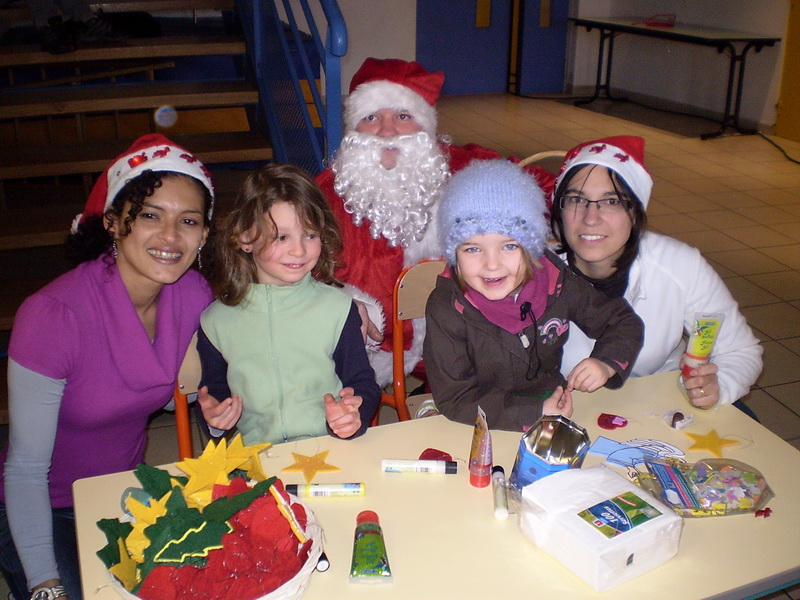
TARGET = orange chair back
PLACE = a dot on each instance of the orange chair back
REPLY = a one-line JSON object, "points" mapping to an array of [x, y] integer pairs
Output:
{"points": [[411, 291]]}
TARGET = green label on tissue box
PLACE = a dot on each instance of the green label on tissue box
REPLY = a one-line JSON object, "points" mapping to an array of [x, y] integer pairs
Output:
{"points": [[617, 515]]}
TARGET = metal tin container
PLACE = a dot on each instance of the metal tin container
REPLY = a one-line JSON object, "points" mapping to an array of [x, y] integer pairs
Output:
{"points": [[553, 444]]}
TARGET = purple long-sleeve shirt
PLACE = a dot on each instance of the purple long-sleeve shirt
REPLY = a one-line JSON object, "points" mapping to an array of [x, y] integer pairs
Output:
{"points": [[82, 330]]}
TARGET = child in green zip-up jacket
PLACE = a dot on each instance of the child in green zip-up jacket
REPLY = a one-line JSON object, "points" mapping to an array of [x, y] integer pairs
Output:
{"points": [[281, 349]]}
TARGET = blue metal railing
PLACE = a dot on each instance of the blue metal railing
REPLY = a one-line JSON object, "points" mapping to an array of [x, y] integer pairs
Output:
{"points": [[282, 54]]}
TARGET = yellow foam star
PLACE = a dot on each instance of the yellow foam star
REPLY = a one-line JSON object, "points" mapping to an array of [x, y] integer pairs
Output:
{"points": [[125, 569], [147, 513], [710, 441], [249, 455], [143, 516], [204, 470], [311, 465]]}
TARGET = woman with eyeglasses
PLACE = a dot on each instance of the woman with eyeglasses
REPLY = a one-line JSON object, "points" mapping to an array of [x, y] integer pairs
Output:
{"points": [[598, 217]]}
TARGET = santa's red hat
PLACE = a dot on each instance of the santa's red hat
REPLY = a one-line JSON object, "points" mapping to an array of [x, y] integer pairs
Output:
{"points": [[623, 154], [152, 152], [397, 84]]}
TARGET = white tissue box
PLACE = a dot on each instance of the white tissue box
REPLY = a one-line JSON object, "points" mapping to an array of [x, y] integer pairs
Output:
{"points": [[599, 525]]}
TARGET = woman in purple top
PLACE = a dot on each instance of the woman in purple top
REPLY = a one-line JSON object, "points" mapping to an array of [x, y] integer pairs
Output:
{"points": [[97, 351]]}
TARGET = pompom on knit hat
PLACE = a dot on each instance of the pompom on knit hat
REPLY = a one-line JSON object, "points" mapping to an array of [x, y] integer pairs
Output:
{"points": [[152, 152], [492, 196], [623, 154], [396, 84]]}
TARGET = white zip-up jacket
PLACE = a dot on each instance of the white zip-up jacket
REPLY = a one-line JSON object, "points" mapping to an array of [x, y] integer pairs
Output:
{"points": [[669, 283]]}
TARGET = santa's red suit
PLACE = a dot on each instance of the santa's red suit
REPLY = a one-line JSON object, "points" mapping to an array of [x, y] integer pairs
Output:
{"points": [[370, 266]]}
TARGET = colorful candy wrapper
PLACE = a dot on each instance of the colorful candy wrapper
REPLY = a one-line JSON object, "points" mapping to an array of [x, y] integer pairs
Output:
{"points": [[708, 488]]}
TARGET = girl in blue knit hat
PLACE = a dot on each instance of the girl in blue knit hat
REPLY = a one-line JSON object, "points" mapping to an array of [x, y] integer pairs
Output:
{"points": [[499, 316]]}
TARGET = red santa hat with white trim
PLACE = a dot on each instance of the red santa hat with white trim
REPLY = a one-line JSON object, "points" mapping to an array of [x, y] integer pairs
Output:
{"points": [[396, 84], [152, 152], [623, 154]]}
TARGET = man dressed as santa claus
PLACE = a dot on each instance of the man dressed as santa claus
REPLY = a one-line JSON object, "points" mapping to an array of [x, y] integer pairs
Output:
{"points": [[383, 186]]}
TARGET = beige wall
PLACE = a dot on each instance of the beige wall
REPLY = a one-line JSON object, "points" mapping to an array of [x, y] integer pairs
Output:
{"points": [[379, 28]]}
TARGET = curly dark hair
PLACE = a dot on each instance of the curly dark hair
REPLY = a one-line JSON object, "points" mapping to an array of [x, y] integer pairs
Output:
{"points": [[233, 269], [635, 212], [93, 239]]}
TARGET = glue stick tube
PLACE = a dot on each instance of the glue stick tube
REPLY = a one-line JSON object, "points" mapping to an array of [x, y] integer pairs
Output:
{"points": [[396, 465], [325, 490], [701, 341], [370, 563], [499, 493], [480, 454]]}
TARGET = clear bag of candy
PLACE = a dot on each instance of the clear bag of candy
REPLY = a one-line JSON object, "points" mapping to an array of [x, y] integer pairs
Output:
{"points": [[709, 488]]}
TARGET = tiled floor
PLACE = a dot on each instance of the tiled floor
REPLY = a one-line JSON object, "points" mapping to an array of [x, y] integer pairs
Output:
{"points": [[736, 198]]}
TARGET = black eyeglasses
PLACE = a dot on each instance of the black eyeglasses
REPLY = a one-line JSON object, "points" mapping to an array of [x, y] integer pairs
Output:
{"points": [[606, 205]]}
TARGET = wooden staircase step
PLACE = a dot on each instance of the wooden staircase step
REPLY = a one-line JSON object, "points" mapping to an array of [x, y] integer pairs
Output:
{"points": [[114, 70], [166, 46], [162, 5], [94, 156], [21, 12], [119, 97], [33, 227]]}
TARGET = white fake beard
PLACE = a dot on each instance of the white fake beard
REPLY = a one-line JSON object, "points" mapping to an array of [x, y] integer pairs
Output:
{"points": [[397, 201]]}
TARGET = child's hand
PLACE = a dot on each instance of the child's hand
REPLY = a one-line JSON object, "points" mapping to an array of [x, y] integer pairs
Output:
{"points": [[220, 415], [560, 403], [589, 374], [343, 417], [369, 330]]}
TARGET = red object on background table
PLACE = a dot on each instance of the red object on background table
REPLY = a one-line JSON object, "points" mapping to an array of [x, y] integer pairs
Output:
{"points": [[658, 20]]}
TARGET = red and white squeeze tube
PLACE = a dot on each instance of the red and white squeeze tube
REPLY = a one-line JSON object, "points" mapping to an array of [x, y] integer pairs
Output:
{"points": [[480, 455], [701, 341]]}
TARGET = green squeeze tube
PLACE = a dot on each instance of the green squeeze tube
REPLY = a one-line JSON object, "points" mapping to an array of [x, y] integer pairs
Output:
{"points": [[370, 563]]}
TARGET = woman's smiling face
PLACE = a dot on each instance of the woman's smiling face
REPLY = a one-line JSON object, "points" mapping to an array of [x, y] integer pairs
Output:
{"points": [[597, 238], [165, 236]]}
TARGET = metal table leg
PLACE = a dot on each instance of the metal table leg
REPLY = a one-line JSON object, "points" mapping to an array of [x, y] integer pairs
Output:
{"points": [[730, 119], [599, 86]]}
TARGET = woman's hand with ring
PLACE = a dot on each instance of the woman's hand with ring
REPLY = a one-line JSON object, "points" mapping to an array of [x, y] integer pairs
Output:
{"points": [[702, 386]]}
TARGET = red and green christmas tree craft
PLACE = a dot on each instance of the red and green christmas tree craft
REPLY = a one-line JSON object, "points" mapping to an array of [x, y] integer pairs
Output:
{"points": [[213, 535]]}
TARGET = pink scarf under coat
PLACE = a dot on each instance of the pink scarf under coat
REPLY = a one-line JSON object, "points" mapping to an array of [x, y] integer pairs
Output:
{"points": [[506, 312]]}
